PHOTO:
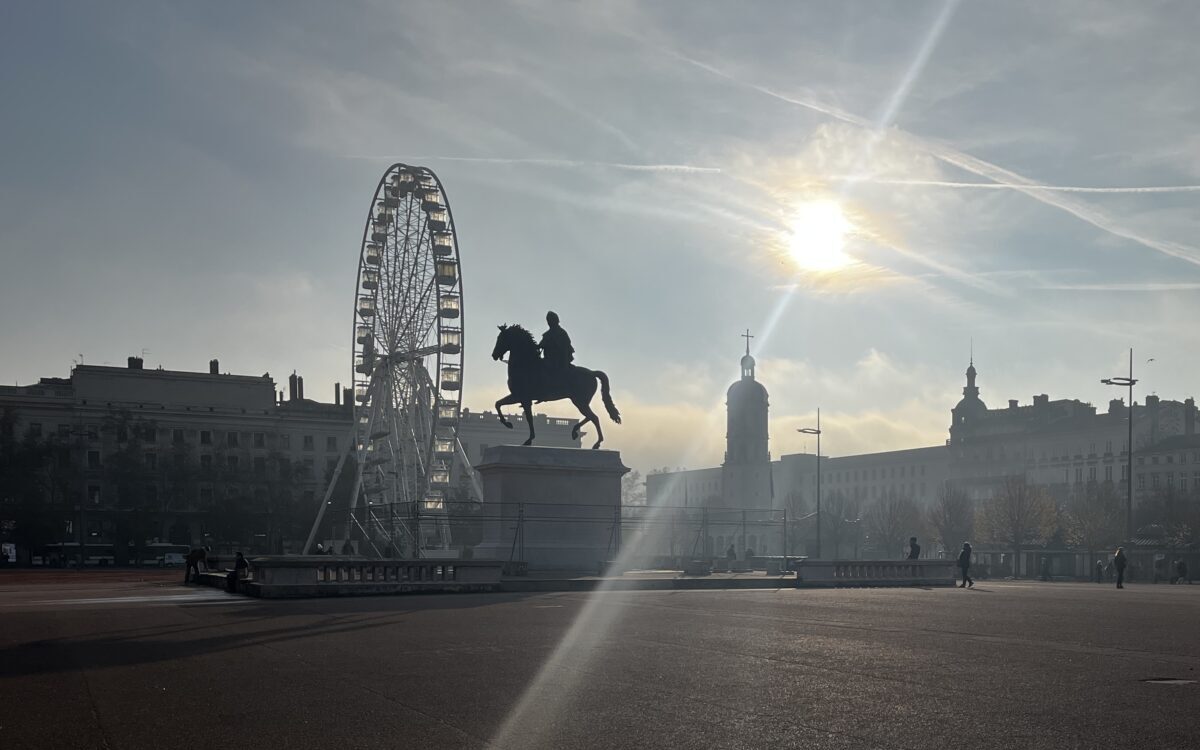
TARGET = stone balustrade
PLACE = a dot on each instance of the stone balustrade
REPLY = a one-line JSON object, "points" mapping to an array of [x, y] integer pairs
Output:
{"points": [[875, 573], [292, 576]]}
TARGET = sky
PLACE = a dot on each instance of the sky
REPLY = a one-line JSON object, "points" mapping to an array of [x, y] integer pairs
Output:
{"points": [[870, 188]]}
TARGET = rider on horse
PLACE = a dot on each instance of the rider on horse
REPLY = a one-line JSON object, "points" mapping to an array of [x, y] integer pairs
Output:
{"points": [[557, 352]]}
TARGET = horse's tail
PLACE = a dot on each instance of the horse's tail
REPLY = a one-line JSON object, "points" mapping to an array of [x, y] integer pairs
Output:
{"points": [[613, 414]]}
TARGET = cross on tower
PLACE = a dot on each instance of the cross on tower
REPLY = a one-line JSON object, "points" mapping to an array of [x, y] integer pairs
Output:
{"points": [[747, 336]]}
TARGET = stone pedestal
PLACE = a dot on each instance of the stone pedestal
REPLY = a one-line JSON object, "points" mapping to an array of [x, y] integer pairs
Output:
{"points": [[555, 508]]}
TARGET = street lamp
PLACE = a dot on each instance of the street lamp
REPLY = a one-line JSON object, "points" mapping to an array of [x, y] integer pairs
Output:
{"points": [[816, 431], [1128, 382]]}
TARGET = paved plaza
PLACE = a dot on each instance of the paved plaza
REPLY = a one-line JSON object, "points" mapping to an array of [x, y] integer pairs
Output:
{"points": [[132, 661]]}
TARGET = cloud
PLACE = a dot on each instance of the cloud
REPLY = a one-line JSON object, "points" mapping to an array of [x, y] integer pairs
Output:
{"points": [[1004, 186]]}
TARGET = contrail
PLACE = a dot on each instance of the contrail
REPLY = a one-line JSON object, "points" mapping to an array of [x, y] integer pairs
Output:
{"points": [[1004, 186], [577, 164], [968, 163]]}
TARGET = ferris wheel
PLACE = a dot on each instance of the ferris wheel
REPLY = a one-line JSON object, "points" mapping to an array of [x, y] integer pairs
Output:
{"points": [[408, 361]]}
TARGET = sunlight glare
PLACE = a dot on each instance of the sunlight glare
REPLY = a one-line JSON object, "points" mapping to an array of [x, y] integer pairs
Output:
{"points": [[818, 236]]}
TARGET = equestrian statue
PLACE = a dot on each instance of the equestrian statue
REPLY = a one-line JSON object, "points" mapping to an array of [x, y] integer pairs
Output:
{"points": [[543, 372]]}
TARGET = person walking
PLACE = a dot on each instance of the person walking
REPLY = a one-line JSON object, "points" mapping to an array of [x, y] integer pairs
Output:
{"points": [[1119, 562], [193, 564], [964, 565], [1099, 571], [914, 549]]}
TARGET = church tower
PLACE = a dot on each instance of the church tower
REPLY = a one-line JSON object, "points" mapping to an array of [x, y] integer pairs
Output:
{"points": [[746, 473], [966, 416]]}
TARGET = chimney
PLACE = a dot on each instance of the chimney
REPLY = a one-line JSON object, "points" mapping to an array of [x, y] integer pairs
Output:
{"points": [[300, 387], [292, 386], [337, 394], [281, 397], [214, 367], [1012, 403], [1189, 417], [348, 398], [1116, 406], [135, 363]]}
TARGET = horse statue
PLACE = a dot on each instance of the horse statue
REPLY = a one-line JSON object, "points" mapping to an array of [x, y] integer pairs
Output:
{"points": [[529, 380]]}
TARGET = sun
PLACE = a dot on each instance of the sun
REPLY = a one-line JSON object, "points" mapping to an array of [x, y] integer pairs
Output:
{"points": [[818, 236]]}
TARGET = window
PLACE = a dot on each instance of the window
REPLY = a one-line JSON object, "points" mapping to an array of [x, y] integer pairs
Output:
{"points": [[1170, 459], [1108, 447], [93, 432], [1141, 481], [35, 429], [205, 437], [150, 434], [260, 466], [231, 462], [64, 430], [1154, 480], [285, 441], [180, 460], [206, 461], [151, 494], [177, 436], [122, 434], [1108, 473], [93, 494], [206, 495], [1183, 482], [330, 465], [1170, 480], [1078, 475], [260, 440], [308, 467], [308, 442], [285, 468], [231, 439], [1091, 473], [331, 443], [151, 461], [1154, 459], [93, 459]]}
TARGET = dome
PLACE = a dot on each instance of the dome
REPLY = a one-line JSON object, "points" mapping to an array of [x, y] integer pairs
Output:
{"points": [[970, 405], [746, 390]]}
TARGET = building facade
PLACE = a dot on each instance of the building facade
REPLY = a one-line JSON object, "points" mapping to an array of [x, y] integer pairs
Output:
{"points": [[137, 457]]}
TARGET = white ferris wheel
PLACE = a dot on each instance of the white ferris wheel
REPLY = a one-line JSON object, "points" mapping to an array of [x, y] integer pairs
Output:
{"points": [[407, 367]]}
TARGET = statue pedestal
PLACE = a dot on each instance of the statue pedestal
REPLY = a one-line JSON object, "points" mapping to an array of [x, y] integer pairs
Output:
{"points": [[554, 508]]}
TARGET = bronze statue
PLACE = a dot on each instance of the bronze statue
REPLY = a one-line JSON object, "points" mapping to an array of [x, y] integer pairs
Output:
{"points": [[557, 351], [532, 378]]}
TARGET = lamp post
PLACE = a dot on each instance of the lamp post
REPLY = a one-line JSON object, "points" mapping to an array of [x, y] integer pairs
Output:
{"points": [[1128, 382], [816, 431]]}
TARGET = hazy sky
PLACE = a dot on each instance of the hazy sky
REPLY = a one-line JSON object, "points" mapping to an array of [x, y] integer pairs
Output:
{"points": [[191, 179]]}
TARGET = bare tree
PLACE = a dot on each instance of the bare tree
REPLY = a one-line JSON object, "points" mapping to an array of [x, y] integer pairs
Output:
{"points": [[951, 518], [839, 516], [633, 488], [1094, 517], [890, 521], [1017, 515]]}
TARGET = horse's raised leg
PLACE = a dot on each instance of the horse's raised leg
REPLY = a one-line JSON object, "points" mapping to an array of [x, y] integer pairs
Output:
{"points": [[509, 399], [528, 406]]}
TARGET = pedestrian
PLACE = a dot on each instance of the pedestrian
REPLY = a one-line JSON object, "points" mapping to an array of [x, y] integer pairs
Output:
{"points": [[1119, 561], [1180, 571], [240, 566], [964, 564], [320, 548], [193, 564], [1045, 568], [1099, 571], [914, 549], [731, 553]]}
